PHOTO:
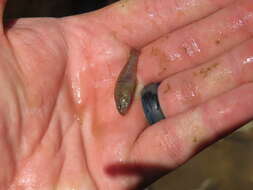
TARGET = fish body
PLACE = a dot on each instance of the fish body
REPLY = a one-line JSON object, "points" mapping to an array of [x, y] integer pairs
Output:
{"points": [[126, 84]]}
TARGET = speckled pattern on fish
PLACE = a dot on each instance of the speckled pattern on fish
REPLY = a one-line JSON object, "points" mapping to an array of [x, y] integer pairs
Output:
{"points": [[126, 83]]}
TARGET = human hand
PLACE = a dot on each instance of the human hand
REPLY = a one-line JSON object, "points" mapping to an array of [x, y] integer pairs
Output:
{"points": [[59, 125]]}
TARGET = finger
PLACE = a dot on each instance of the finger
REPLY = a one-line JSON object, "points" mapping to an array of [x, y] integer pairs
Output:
{"points": [[173, 141], [198, 42], [138, 22], [195, 86]]}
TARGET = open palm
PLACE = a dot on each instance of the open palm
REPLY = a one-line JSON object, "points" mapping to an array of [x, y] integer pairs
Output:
{"points": [[59, 125]]}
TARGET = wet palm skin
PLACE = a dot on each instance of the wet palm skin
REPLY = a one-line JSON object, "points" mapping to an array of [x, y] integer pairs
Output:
{"points": [[59, 125]]}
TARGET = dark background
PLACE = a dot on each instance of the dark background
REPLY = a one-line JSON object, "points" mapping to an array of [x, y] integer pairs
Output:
{"points": [[51, 8]]}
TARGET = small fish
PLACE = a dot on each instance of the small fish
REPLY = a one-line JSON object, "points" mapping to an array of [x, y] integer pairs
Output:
{"points": [[126, 84]]}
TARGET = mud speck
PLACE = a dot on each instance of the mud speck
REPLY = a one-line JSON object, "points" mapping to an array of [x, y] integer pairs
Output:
{"points": [[164, 69], [155, 51], [218, 42], [161, 59], [123, 3], [204, 72], [167, 88]]}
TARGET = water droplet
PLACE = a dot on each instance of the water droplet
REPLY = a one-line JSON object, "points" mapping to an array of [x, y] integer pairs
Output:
{"points": [[76, 86], [175, 56], [249, 60], [191, 47]]}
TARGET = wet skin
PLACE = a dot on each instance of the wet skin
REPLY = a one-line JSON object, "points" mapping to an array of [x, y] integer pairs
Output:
{"points": [[59, 126]]}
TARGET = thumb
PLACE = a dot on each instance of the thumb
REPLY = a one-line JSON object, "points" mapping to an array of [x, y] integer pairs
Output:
{"points": [[2, 8]]}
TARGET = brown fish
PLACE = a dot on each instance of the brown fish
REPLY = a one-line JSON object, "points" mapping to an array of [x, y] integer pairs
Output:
{"points": [[126, 84]]}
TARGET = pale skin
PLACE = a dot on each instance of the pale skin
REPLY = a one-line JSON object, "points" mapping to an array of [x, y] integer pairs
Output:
{"points": [[59, 127]]}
